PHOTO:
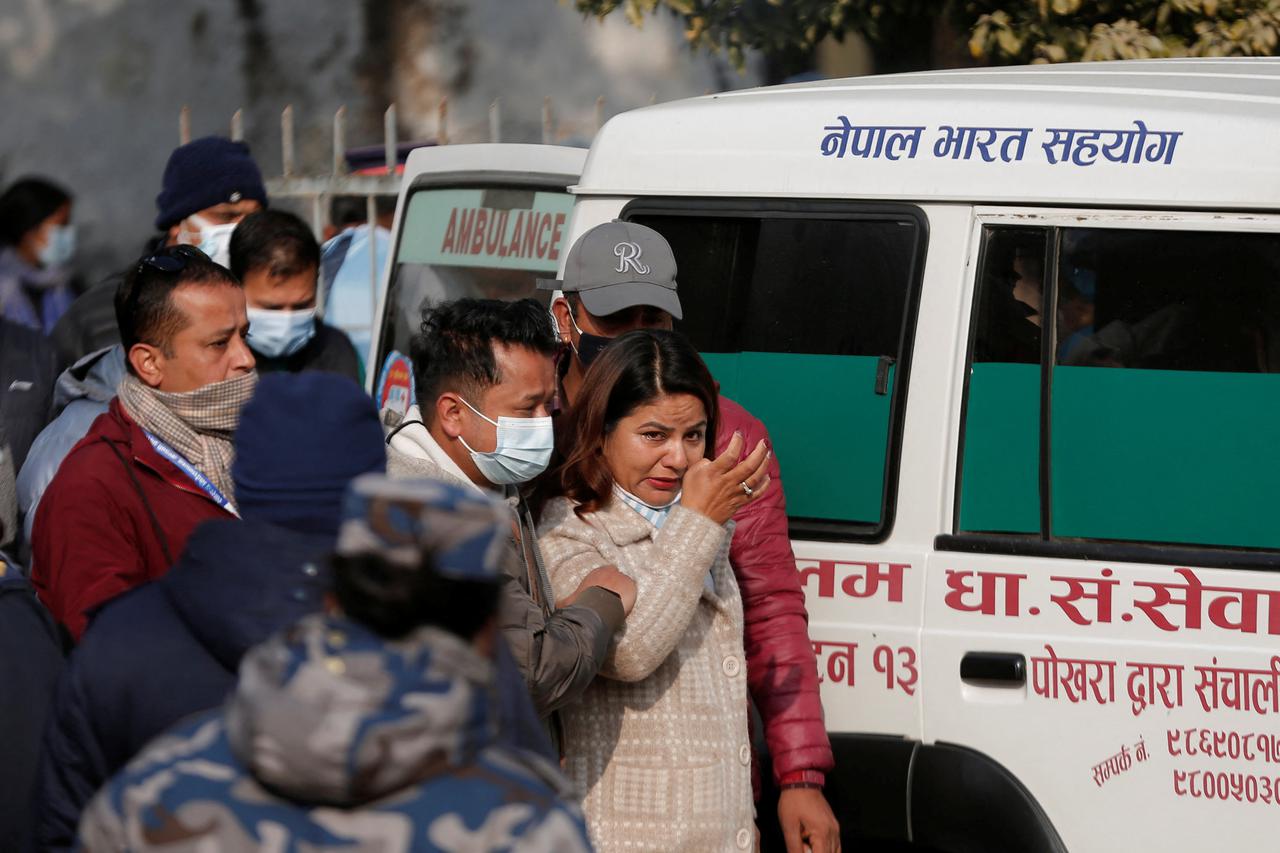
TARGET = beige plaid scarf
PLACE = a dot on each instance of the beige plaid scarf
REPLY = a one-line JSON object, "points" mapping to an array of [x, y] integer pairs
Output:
{"points": [[198, 424]]}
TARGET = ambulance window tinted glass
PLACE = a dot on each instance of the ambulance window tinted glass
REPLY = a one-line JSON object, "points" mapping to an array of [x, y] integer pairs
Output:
{"points": [[490, 243], [1000, 489], [801, 319], [1164, 393]]}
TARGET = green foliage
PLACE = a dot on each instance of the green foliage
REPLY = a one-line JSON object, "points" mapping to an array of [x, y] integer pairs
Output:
{"points": [[1061, 30], [999, 31], [769, 26]]}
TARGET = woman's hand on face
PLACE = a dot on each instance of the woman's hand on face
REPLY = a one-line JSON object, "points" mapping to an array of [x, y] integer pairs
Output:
{"points": [[720, 487]]}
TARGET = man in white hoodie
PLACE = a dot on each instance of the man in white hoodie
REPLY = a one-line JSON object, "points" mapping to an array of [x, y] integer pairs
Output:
{"points": [[485, 380]]}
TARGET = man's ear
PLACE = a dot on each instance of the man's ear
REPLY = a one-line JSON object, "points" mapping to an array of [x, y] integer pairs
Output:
{"points": [[148, 364], [449, 414], [560, 310], [171, 236]]}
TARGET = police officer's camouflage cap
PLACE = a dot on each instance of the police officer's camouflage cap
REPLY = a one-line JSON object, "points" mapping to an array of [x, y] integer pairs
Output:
{"points": [[466, 534]]}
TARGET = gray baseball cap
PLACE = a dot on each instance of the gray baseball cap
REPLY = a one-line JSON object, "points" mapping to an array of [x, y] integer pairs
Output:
{"points": [[619, 265]]}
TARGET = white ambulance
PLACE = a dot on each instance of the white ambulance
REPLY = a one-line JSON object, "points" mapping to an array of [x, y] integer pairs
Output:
{"points": [[1016, 336]]}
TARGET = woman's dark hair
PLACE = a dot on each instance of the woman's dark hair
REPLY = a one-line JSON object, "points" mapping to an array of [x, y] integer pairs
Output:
{"points": [[392, 600], [637, 368], [25, 204]]}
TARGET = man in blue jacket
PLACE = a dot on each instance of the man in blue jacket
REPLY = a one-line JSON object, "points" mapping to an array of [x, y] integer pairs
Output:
{"points": [[371, 728], [172, 647]]}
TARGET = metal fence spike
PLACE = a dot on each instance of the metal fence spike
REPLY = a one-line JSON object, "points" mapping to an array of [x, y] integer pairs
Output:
{"points": [[184, 125], [340, 141], [389, 138], [237, 126], [495, 121], [442, 122], [286, 141]]}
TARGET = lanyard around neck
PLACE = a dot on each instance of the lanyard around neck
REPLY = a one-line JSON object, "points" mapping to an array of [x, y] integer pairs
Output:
{"points": [[191, 471]]}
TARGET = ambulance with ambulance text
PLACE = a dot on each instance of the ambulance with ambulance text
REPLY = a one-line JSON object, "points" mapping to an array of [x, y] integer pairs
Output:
{"points": [[1016, 336]]}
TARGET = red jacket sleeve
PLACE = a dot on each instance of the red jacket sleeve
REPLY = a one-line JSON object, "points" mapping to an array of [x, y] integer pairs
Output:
{"points": [[782, 672], [84, 548]]}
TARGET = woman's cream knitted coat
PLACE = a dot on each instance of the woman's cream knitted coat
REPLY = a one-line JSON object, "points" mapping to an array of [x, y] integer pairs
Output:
{"points": [[659, 742]]}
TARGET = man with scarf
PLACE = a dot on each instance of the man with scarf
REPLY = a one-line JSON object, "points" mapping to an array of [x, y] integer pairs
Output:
{"points": [[158, 462]]}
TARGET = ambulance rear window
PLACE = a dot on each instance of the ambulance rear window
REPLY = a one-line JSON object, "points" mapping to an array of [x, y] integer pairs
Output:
{"points": [[492, 243], [1160, 353], [801, 314]]}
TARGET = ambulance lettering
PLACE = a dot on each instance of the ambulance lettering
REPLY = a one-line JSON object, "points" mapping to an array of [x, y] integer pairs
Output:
{"points": [[1057, 677], [483, 232], [837, 664], [1062, 145], [1168, 605], [863, 580]]}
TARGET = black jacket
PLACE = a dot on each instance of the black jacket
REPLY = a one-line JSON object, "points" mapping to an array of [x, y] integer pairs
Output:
{"points": [[30, 661], [89, 324], [330, 351], [26, 387], [167, 650]]}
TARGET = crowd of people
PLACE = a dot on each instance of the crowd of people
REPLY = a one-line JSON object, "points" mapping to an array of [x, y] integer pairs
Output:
{"points": [[240, 614]]}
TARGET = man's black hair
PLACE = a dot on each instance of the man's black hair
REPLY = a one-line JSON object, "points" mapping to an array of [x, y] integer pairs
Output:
{"points": [[274, 241], [145, 311], [453, 350], [393, 600], [25, 204]]}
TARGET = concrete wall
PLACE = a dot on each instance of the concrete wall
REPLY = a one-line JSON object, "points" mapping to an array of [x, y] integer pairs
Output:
{"points": [[91, 89]]}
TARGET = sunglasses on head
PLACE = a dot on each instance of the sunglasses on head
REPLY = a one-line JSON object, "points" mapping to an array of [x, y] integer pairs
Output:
{"points": [[172, 259]]}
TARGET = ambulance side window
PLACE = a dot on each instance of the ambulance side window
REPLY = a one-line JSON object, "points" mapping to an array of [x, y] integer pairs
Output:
{"points": [[1163, 400], [802, 319], [1000, 491]]}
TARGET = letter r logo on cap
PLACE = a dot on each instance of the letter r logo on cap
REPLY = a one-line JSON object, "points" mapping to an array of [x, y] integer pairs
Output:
{"points": [[628, 254]]}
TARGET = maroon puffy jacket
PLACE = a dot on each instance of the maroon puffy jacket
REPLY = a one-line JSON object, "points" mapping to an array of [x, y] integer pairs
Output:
{"points": [[95, 533], [782, 671]]}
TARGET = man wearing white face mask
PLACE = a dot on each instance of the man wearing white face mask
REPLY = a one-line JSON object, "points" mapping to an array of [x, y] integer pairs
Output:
{"points": [[484, 379], [275, 256], [209, 185]]}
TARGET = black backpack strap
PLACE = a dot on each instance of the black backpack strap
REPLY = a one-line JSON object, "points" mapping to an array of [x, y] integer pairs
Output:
{"points": [[151, 513]]}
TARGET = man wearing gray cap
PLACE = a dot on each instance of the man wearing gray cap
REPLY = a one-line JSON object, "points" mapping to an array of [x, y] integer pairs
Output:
{"points": [[621, 276]]}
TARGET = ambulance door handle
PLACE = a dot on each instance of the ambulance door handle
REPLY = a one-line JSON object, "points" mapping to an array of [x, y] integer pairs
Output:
{"points": [[1005, 667]]}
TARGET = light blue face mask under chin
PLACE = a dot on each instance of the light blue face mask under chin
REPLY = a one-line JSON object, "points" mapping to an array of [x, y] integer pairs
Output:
{"points": [[522, 452]]}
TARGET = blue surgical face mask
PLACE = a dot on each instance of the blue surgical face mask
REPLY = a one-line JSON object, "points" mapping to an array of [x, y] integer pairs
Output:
{"points": [[280, 333], [522, 452], [60, 246]]}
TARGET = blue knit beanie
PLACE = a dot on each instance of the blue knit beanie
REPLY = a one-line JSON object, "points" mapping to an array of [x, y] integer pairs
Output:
{"points": [[206, 172], [302, 439]]}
